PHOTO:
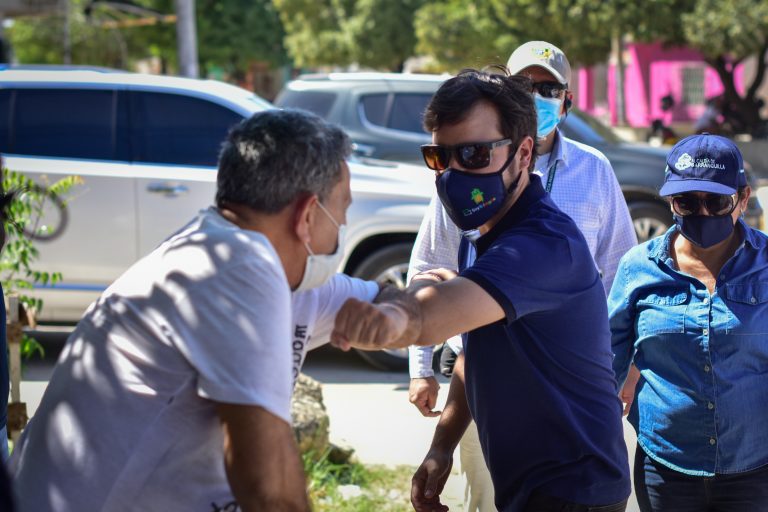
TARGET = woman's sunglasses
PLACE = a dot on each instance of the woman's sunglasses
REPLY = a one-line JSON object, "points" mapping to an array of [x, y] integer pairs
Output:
{"points": [[469, 156], [549, 89], [715, 204]]}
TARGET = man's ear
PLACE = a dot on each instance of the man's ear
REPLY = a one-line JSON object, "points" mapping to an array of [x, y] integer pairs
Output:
{"points": [[304, 216], [567, 102], [525, 152]]}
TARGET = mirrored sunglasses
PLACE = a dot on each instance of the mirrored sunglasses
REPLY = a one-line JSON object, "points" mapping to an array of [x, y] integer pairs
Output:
{"points": [[714, 204], [549, 89], [469, 156]]}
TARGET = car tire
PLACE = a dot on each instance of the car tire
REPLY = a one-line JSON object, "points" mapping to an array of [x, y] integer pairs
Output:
{"points": [[388, 265], [649, 219]]}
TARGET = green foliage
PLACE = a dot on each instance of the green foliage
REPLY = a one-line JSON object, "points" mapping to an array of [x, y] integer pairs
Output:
{"points": [[383, 489], [374, 33], [458, 34], [19, 275], [315, 32], [738, 28], [381, 33], [40, 40], [234, 33]]}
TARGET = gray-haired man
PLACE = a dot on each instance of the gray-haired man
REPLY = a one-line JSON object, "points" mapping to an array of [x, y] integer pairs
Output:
{"points": [[173, 393]]}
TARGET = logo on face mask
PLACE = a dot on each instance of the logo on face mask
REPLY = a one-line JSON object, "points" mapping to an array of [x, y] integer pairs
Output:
{"points": [[477, 196]]}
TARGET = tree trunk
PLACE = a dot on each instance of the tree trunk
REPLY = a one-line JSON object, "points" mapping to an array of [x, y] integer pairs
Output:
{"points": [[741, 113]]}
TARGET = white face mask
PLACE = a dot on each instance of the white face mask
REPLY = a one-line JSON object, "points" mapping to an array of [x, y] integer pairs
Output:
{"points": [[321, 267]]}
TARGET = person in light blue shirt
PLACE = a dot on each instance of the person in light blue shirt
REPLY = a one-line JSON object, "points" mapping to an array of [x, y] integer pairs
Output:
{"points": [[690, 309]]}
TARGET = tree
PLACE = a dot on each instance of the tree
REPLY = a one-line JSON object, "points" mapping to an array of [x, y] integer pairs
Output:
{"points": [[315, 32], [234, 33], [372, 33], [727, 32], [378, 35]]}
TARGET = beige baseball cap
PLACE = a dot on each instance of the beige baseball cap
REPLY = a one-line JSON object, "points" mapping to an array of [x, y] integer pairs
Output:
{"points": [[544, 55]]}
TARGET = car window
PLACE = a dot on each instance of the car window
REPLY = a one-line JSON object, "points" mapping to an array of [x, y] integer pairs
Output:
{"points": [[5, 119], [586, 129], [375, 108], [408, 112], [319, 102], [66, 123], [175, 129]]}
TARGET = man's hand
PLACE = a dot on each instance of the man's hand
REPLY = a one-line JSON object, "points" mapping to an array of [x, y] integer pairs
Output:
{"points": [[423, 394], [374, 326], [627, 393], [428, 482]]}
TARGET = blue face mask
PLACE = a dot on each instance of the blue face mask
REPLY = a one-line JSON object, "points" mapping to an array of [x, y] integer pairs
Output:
{"points": [[704, 230], [471, 199], [547, 114]]}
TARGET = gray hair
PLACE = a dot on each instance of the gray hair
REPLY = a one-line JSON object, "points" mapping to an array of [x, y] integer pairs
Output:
{"points": [[271, 158]]}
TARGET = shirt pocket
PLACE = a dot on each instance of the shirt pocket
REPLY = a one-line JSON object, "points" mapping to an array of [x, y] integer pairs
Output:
{"points": [[747, 305], [661, 312]]}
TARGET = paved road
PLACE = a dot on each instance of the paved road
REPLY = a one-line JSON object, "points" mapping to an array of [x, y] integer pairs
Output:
{"points": [[369, 410]]}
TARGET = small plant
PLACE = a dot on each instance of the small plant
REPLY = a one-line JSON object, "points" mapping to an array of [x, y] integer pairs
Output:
{"points": [[31, 206], [380, 489]]}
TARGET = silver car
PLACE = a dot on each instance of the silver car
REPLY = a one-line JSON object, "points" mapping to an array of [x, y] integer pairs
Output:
{"points": [[146, 148]]}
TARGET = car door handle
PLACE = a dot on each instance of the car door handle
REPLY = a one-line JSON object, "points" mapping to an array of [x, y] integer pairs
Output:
{"points": [[167, 189], [362, 150]]}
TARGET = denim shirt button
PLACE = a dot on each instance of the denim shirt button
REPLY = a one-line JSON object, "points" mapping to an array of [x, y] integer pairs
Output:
{"points": [[706, 300], [712, 440], [706, 368], [710, 406], [705, 331], [753, 300]]}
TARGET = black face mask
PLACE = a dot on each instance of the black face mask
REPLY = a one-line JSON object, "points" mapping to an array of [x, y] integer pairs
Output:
{"points": [[472, 199], [705, 230]]}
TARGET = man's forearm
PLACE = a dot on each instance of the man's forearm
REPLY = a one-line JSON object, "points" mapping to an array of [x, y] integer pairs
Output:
{"points": [[262, 462], [456, 416]]}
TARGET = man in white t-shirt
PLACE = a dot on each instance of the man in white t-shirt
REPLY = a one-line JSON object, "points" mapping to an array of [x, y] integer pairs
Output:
{"points": [[173, 393]]}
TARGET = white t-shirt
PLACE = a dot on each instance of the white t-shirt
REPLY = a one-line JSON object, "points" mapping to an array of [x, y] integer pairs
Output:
{"points": [[128, 421], [314, 312]]}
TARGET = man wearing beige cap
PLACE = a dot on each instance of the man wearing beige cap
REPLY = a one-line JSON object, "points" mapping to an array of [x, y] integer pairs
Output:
{"points": [[582, 184]]}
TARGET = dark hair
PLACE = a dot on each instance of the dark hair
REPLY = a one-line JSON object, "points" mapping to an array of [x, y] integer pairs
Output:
{"points": [[509, 94], [271, 158]]}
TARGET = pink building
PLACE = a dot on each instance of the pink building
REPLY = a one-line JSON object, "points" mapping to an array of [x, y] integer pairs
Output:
{"points": [[651, 72]]}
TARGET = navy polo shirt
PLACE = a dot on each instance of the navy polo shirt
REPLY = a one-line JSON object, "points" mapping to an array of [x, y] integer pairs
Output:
{"points": [[539, 383]]}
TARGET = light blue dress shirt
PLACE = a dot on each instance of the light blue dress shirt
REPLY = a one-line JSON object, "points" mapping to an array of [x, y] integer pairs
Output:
{"points": [[701, 405]]}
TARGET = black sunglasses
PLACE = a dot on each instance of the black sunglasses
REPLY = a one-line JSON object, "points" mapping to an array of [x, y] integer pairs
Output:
{"points": [[470, 156], [715, 204], [549, 89]]}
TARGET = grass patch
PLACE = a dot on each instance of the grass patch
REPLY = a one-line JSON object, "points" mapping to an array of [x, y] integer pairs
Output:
{"points": [[380, 488]]}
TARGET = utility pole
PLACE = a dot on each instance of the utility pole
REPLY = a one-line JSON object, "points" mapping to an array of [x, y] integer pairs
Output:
{"points": [[186, 34], [67, 33]]}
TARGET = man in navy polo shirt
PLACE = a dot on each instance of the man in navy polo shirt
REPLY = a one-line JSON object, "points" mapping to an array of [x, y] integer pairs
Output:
{"points": [[537, 369]]}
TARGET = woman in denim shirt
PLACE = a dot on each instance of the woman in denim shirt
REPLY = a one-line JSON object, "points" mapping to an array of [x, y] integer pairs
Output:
{"points": [[690, 309]]}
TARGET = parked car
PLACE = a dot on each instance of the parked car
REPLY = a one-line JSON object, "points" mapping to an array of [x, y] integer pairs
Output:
{"points": [[382, 112], [146, 148]]}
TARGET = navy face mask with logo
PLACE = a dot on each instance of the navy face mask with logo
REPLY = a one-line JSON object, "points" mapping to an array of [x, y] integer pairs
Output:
{"points": [[705, 230], [471, 199]]}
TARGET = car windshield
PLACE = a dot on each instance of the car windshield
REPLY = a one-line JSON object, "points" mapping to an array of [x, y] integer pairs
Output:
{"points": [[587, 129]]}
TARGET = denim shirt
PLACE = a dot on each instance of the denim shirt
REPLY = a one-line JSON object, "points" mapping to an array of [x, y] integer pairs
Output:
{"points": [[701, 405]]}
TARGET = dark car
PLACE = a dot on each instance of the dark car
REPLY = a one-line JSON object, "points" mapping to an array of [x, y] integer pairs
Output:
{"points": [[382, 112]]}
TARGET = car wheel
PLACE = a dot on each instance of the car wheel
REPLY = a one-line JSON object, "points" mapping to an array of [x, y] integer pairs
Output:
{"points": [[387, 265], [649, 219]]}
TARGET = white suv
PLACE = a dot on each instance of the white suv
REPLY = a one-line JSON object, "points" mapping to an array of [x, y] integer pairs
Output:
{"points": [[146, 148]]}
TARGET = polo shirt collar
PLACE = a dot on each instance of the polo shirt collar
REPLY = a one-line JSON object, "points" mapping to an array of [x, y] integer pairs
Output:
{"points": [[533, 193], [559, 150]]}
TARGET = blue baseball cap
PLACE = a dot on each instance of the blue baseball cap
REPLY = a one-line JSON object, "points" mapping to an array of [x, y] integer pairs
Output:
{"points": [[704, 163]]}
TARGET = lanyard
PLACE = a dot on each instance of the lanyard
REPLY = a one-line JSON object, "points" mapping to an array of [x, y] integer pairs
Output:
{"points": [[551, 177]]}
